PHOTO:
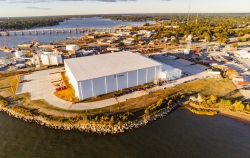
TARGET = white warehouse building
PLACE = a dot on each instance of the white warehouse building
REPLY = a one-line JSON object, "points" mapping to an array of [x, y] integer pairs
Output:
{"points": [[101, 74], [170, 73]]}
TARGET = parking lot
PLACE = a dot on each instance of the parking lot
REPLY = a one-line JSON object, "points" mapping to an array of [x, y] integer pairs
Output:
{"points": [[187, 67], [40, 86]]}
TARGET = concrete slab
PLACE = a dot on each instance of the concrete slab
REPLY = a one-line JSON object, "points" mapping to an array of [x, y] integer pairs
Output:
{"points": [[40, 87]]}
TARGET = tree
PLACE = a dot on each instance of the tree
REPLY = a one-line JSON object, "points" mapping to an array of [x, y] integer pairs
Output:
{"points": [[207, 37], [240, 33], [146, 111], [238, 106], [136, 38], [183, 96], [170, 103], [235, 45], [96, 118], [209, 102], [159, 102], [121, 44], [213, 98], [247, 107], [112, 119], [174, 41], [241, 39], [200, 97]]}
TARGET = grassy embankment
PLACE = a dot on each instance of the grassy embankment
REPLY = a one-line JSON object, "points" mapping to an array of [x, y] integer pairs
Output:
{"points": [[130, 110], [207, 104], [10, 84], [66, 94]]}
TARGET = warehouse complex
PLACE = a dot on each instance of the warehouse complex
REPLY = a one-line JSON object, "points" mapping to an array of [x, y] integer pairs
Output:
{"points": [[101, 74]]}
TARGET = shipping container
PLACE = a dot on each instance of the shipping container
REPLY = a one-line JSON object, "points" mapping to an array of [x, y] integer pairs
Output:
{"points": [[243, 83], [238, 79], [214, 72]]}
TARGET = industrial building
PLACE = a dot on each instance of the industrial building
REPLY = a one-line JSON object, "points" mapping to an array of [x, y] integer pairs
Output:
{"points": [[242, 54], [101, 74], [170, 73]]}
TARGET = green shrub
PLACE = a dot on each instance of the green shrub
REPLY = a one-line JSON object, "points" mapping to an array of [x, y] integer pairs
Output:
{"points": [[170, 102], [112, 119]]}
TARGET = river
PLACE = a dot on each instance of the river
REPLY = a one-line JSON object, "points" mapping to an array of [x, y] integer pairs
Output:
{"points": [[73, 23], [181, 134]]}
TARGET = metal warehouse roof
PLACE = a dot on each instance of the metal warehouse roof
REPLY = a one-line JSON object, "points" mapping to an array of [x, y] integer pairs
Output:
{"points": [[85, 68]]}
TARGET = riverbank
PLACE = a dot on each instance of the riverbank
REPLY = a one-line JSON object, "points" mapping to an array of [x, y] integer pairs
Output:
{"points": [[241, 116], [103, 129], [91, 127]]}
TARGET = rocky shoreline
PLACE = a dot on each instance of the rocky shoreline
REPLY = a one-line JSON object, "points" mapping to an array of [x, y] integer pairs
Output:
{"points": [[90, 128]]}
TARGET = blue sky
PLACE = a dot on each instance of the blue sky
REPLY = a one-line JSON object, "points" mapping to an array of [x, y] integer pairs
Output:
{"points": [[13, 8]]}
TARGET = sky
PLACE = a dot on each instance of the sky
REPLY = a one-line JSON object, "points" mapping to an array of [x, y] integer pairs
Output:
{"points": [[19, 8]]}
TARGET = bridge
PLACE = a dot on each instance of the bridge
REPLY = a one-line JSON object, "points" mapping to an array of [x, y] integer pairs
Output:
{"points": [[56, 31]]}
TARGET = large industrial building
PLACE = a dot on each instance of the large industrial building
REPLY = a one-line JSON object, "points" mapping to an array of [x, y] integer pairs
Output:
{"points": [[101, 74]]}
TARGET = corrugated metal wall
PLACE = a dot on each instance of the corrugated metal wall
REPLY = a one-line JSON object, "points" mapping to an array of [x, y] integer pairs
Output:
{"points": [[99, 86], [72, 80], [122, 80], [151, 74], [111, 83], [132, 78], [103, 85], [158, 72], [86, 87], [142, 75]]}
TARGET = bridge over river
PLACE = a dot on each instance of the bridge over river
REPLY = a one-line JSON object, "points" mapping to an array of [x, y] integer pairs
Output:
{"points": [[56, 31]]}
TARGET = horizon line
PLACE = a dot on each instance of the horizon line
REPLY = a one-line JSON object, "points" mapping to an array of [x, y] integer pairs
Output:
{"points": [[124, 14]]}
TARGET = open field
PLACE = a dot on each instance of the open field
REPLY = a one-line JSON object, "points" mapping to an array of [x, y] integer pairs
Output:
{"points": [[10, 84]]}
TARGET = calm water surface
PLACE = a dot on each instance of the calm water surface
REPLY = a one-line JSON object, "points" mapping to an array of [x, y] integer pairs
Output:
{"points": [[180, 135], [74, 23]]}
